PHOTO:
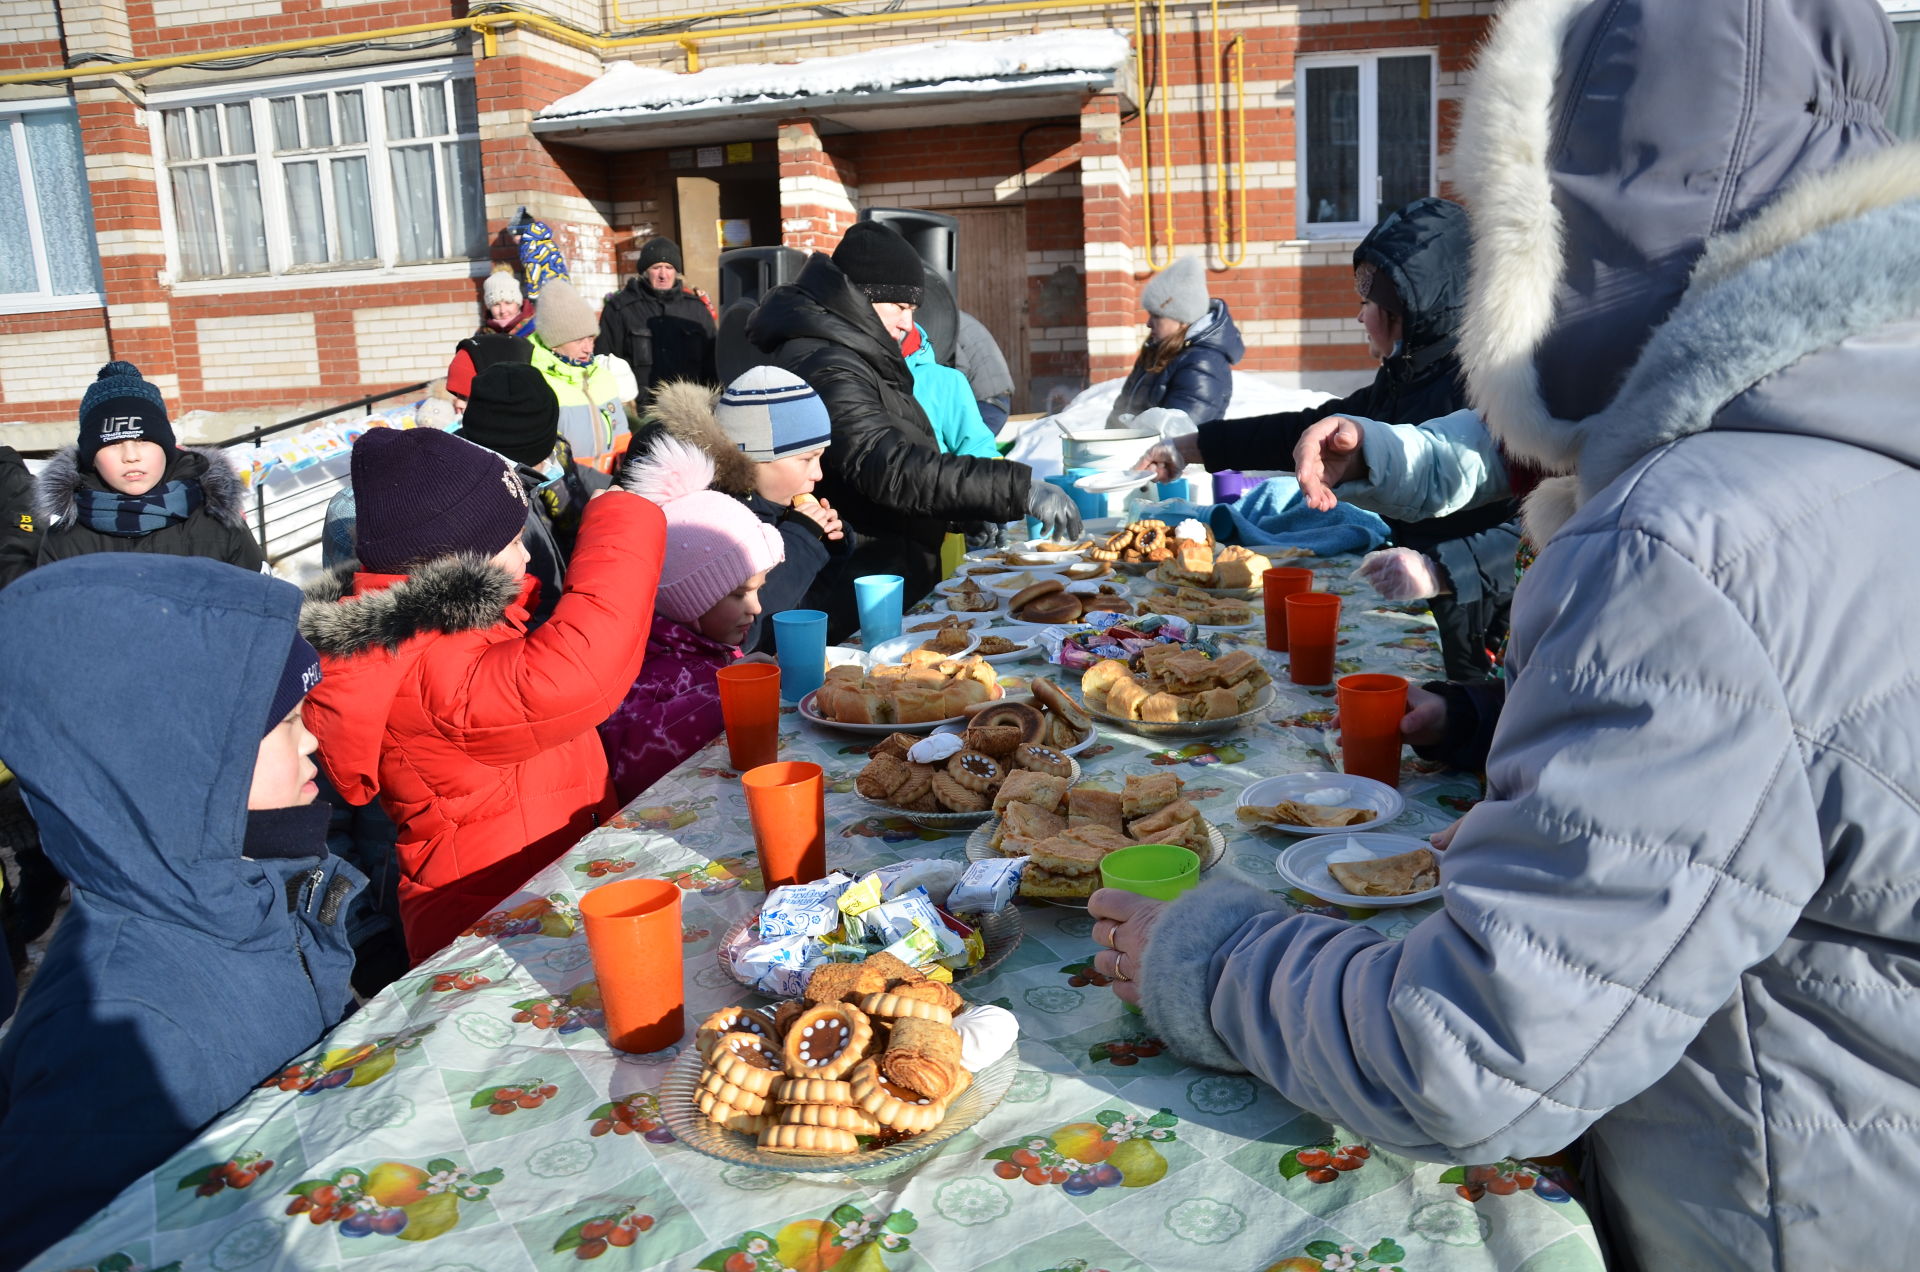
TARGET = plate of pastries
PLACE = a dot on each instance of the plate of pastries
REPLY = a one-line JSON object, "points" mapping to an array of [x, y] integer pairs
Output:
{"points": [[911, 696], [1178, 692]]}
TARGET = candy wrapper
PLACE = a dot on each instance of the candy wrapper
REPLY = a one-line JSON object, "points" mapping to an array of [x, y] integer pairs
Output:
{"points": [[891, 920], [804, 909], [936, 749], [988, 886], [936, 876], [1104, 634], [780, 968]]}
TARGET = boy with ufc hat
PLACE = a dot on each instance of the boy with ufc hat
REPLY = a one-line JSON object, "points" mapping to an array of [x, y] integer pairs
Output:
{"points": [[476, 735], [128, 487], [765, 434]]}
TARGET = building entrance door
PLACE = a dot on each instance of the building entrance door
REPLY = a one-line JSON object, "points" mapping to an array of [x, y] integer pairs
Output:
{"points": [[992, 272]]}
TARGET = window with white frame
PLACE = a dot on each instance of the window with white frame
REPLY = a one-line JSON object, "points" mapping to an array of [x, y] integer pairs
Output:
{"points": [[359, 175], [1903, 116], [1366, 139], [52, 260]]}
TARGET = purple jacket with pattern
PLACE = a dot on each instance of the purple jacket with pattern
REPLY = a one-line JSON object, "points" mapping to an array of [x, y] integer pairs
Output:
{"points": [[672, 710]]}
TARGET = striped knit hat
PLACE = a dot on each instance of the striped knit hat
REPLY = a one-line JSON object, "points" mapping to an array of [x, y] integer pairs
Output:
{"points": [[769, 414]]}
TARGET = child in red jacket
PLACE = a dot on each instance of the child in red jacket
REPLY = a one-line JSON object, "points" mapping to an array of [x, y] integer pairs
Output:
{"points": [[477, 737], [718, 555]]}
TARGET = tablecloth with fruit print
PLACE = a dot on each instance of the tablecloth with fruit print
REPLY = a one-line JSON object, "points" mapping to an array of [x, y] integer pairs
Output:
{"points": [[472, 1118]]}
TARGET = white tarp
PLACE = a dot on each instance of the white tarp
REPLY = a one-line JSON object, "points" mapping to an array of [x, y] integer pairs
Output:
{"points": [[972, 65]]}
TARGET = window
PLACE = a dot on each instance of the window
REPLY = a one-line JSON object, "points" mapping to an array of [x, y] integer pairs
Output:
{"points": [[52, 260], [1365, 139], [359, 176], [1903, 116]]}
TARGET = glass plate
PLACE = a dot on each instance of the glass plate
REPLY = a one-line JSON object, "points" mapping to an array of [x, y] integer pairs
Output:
{"points": [[1185, 728], [1003, 932], [953, 821], [979, 848], [692, 1128]]}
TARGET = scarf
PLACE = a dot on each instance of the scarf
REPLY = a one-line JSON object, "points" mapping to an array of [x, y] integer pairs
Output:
{"points": [[131, 516]]}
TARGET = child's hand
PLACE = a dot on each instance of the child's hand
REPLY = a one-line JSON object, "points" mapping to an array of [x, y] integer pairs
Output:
{"points": [[821, 513], [758, 658]]}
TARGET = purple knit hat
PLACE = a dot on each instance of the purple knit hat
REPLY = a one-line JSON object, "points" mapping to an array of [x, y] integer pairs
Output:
{"points": [[420, 494], [714, 542]]}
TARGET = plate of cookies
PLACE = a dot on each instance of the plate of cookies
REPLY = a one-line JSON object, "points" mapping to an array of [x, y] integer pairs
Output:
{"points": [[1050, 717], [951, 780], [848, 1078], [1065, 834], [1178, 692], [912, 696]]}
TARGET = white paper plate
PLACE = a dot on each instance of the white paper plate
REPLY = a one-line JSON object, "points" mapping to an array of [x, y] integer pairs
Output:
{"points": [[1351, 791], [939, 617], [1026, 635], [1304, 865], [896, 650], [940, 606], [1107, 483], [812, 716]]}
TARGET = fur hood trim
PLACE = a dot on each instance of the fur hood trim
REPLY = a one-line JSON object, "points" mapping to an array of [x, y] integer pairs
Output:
{"points": [[57, 488], [684, 409], [455, 594]]}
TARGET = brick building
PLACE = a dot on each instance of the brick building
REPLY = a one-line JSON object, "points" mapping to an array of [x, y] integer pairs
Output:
{"points": [[276, 204]]}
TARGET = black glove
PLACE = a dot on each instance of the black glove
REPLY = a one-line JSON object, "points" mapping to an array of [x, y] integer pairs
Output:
{"points": [[1054, 509]]}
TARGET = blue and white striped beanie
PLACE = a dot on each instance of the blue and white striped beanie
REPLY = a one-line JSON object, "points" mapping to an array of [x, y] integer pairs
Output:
{"points": [[770, 414]]}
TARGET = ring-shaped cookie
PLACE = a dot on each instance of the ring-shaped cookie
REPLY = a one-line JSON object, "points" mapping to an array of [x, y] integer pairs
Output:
{"points": [[896, 1007], [812, 1091], [747, 1060], [839, 1117], [808, 1141], [730, 1020], [724, 1115], [1040, 758], [827, 1041], [975, 771], [727, 1093], [891, 1105]]}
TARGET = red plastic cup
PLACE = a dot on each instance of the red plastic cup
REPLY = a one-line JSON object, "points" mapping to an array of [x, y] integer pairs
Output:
{"points": [[750, 706], [1276, 585], [787, 804], [633, 932], [1313, 628], [1370, 710]]}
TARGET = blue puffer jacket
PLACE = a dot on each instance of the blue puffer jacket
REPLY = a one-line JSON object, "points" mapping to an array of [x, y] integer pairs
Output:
{"points": [[1198, 381], [1683, 922], [185, 972]]}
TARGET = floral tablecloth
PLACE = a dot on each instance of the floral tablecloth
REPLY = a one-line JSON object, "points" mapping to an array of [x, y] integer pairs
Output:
{"points": [[471, 1118]]}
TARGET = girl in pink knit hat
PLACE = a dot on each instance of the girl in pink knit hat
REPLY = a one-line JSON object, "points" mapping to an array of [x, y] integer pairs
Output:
{"points": [[718, 554]]}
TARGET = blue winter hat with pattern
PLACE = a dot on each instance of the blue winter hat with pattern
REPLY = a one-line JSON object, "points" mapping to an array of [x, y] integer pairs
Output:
{"points": [[121, 405], [770, 413]]}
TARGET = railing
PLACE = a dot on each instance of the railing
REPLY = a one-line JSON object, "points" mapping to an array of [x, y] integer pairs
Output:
{"points": [[298, 504]]}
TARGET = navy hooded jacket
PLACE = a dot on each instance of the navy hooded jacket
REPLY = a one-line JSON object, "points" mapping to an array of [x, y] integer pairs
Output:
{"points": [[134, 691], [1199, 379]]}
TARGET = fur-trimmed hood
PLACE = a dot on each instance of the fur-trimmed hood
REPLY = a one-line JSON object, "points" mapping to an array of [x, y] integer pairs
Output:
{"points": [[454, 594], [57, 488], [1630, 226], [685, 409]]}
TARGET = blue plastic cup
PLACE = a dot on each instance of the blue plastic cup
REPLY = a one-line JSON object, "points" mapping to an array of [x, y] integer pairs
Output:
{"points": [[800, 647], [1089, 504], [1175, 489], [880, 598]]}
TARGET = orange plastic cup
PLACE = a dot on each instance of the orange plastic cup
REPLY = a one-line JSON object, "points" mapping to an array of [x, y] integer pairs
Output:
{"points": [[1370, 710], [787, 805], [1276, 585], [633, 932], [1313, 628], [750, 706]]}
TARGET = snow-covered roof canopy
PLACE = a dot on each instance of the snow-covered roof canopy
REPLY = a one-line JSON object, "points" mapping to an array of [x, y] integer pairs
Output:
{"points": [[1026, 76]]}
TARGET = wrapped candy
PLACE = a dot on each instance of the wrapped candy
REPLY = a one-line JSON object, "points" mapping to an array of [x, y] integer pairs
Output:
{"points": [[803, 909], [936, 876], [779, 968], [988, 886]]}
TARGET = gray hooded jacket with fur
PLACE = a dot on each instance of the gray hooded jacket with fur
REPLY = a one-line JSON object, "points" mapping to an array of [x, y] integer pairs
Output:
{"points": [[217, 528], [1684, 920]]}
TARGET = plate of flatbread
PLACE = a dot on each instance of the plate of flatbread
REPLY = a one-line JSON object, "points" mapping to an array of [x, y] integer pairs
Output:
{"points": [[1375, 871], [1317, 804]]}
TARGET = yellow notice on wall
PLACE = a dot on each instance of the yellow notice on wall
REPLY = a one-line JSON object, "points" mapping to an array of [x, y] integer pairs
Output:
{"points": [[739, 152]]}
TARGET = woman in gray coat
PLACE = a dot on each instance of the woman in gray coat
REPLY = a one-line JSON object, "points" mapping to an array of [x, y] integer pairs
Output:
{"points": [[1684, 920]]}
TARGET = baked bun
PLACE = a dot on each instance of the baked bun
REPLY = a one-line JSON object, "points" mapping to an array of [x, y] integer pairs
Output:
{"points": [[1023, 716], [1033, 592], [1054, 607]]}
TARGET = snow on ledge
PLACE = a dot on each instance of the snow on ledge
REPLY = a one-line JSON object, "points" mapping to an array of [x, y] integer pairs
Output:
{"points": [[963, 64]]}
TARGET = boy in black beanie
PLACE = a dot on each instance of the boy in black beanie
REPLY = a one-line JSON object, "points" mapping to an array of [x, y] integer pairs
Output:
{"points": [[126, 486]]}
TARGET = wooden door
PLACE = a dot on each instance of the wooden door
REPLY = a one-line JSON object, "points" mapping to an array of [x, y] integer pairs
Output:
{"points": [[992, 275]]}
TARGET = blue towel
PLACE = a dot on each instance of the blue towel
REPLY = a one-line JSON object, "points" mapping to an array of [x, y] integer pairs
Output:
{"points": [[1273, 512]]}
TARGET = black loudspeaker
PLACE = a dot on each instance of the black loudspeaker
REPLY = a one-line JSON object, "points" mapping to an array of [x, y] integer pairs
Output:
{"points": [[939, 317], [749, 273], [935, 235], [733, 354]]}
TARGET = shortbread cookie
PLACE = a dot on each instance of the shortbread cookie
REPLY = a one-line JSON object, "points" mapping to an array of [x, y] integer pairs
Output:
{"points": [[727, 1020], [827, 1041], [812, 1091], [808, 1141], [891, 1104], [956, 798], [726, 1115], [839, 1117], [726, 1092], [836, 982], [746, 1060], [975, 771], [917, 785], [893, 1006]]}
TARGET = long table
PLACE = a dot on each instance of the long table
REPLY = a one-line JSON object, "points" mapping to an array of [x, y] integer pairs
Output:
{"points": [[471, 1118]]}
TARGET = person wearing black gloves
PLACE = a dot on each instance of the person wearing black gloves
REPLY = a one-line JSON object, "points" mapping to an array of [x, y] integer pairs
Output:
{"points": [[838, 327], [664, 331]]}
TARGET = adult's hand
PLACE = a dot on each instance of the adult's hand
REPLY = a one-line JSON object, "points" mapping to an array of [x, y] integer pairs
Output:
{"points": [[1054, 509], [1443, 838], [821, 513], [1169, 458], [1327, 454], [1425, 723], [1124, 925], [1402, 574]]}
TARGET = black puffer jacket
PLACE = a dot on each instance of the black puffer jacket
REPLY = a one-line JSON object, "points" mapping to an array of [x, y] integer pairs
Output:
{"points": [[19, 536], [884, 472], [1198, 380], [216, 529], [663, 335]]}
